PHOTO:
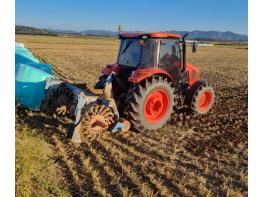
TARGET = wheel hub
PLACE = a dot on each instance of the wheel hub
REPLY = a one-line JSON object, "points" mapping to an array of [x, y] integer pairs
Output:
{"points": [[156, 106], [204, 100]]}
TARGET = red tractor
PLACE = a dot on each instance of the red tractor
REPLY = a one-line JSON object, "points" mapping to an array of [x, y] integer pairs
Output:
{"points": [[152, 79]]}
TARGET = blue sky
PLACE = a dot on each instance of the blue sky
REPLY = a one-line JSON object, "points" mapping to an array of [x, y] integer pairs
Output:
{"points": [[141, 15]]}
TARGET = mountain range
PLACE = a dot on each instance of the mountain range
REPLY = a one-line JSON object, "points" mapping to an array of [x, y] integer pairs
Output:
{"points": [[197, 34]]}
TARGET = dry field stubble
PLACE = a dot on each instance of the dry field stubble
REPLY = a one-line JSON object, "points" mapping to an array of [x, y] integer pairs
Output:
{"points": [[190, 156]]}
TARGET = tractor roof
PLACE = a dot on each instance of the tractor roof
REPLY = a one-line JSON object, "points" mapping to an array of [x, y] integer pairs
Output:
{"points": [[149, 34]]}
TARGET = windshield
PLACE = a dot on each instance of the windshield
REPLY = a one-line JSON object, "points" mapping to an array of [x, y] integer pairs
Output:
{"points": [[130, 52], [136, 52]]}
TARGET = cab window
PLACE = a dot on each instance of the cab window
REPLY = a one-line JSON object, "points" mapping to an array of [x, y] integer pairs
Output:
{"points": [[169, 54]]}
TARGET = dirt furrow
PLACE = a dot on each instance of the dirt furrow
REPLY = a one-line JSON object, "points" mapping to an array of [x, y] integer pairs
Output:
{"points": [[113, 177], [143, 183], [144, 168], [75, 179]]}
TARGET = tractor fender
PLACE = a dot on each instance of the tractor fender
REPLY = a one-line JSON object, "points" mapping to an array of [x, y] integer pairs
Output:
{"points": [[111, 68], [193, 73], [141, 74]]}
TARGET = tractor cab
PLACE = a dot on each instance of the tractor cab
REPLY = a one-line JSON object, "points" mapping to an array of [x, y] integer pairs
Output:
{"points": [[144, 54], [150, 51]]}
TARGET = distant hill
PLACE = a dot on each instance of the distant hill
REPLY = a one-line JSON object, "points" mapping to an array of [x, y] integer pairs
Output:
{"points": [[198, 35], [57, 31], [99, 33], [31, 30], [213, 35]]}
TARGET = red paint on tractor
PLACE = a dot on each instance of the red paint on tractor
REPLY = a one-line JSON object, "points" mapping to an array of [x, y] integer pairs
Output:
{"points": [[193, 73], [156, 106], [164, 35], [111, 68], [142, 73], [151, 35], [131, 34], [204, 100]]}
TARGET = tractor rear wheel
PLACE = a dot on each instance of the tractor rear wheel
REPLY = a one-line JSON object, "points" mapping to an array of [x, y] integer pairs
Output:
{"points": [[150, 104], [200, 97]]}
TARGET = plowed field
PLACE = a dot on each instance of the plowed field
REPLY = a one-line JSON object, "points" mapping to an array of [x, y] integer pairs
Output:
{"points": [[191, 156]]}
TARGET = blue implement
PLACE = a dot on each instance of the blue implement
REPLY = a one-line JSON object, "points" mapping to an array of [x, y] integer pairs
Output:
{"points": [[30, 86]]}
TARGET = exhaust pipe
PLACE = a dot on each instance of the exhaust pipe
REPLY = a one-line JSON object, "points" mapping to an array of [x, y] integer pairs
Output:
{"points": [[184, 51]]}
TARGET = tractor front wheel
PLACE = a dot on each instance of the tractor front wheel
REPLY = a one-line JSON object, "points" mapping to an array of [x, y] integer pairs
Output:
{"points": [[200, 97], [150, 104]]}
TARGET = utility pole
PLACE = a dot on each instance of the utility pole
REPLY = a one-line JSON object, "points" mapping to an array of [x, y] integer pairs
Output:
{"points": [[119, 28]]}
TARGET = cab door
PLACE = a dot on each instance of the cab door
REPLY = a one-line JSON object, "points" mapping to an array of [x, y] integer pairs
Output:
{"points": [[170, 57]]}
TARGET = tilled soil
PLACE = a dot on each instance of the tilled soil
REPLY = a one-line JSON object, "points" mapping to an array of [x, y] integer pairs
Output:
{"points": [[191, 156]]}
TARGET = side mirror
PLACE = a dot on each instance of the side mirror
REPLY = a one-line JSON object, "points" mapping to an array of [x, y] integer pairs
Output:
{"points": [[194, 46]]}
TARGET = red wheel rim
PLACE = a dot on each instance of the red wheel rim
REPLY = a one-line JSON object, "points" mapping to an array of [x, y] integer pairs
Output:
{"points": [[156, 106], [204, 100]]}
